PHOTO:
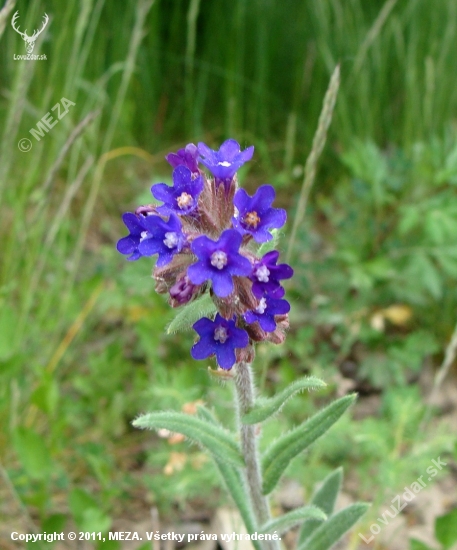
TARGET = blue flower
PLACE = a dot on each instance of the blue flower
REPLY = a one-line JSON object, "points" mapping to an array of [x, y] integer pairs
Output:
{"points": [[255, 215], [164, 238], [219, 261], [187, 157], [219, 337], [129, 244], [266, 276], [224, 163], [182, 198], [265, 312]]}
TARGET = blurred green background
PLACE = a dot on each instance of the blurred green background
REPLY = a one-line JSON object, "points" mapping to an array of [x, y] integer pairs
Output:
{"points": [[82, 333]]}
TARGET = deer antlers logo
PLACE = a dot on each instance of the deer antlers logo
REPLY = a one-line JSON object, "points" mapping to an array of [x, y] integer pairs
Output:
{"points": [[29, 40]]}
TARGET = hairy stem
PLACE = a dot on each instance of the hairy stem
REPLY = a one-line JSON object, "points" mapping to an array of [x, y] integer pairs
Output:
{"points": [[245, 401]]}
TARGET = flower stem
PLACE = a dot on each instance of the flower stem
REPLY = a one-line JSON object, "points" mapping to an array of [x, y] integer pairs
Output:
{"points": [[245, 400]]}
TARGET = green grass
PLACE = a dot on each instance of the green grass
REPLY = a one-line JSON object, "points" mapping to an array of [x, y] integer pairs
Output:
{"points": [[82, 345]]}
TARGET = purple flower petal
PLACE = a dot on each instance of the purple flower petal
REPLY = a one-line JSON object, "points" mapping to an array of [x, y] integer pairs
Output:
{"points": [[224, 163], [185, 157], [218, 261], [266, 276], [219, 337], [129, 244], [265, 313], [182, 198], [164, 238], [255, 214]]}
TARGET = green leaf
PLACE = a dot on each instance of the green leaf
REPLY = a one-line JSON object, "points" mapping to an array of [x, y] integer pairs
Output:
{"points": [[415, 544], [294, 518], [55, 522], [86, 512], [214, 438], [324, 498], [446, 529], [234, 484], [33, 453], [264, 408], [281, 452], [269, 245], [191, 313], [330, 532]]}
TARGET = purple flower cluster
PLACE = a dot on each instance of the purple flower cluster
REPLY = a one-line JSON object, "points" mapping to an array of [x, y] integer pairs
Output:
{"points": [[204, 235]]}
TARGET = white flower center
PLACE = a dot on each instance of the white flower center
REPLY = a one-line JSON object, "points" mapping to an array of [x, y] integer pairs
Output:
{"points": [[220, 334], [224, 163], [262, 306], [262, 273], [219, 259], [171, 239], [144, 235], [184, 200]]}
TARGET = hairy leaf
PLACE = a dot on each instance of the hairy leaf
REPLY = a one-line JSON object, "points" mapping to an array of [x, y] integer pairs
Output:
{"points": [[324, 498], [294, 518], [330, 532], [264, 408], [213, 437], [191, 313], [282, 451]]}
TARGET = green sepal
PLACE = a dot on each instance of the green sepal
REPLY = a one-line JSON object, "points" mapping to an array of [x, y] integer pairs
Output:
{"points": [[294, 518], [234, 484], [214, 438], [278, 456], [330, 532], [324, 498], [191, 313], [266, 407]]}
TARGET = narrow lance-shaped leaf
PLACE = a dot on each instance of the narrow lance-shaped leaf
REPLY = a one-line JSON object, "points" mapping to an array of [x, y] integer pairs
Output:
{"points": [[294, 518], [214, 438], [264, 408], [191, 313], [234, 484], [278, 456], [330, 532], [324, 498]]}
